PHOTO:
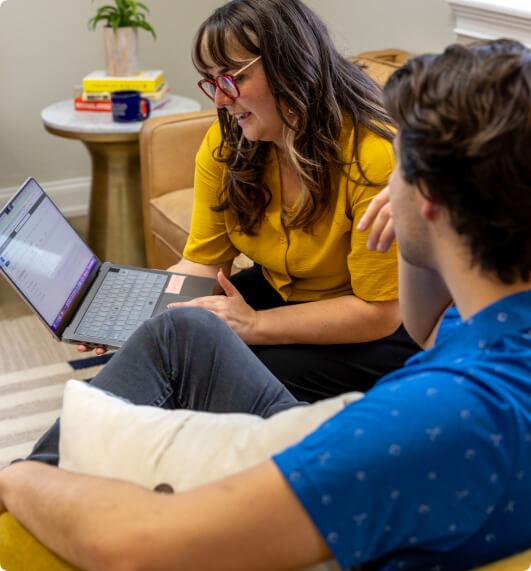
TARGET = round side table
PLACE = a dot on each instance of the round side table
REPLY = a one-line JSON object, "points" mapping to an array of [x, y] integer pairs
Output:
{"points": [[115, 228]]}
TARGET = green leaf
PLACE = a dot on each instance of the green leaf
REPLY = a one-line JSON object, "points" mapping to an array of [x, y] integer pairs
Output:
{"points": [[147, 27], [124, 13], [143, 6]]}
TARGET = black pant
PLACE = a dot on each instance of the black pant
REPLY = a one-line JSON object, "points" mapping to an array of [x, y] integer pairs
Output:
{"points": [[314, 372]]}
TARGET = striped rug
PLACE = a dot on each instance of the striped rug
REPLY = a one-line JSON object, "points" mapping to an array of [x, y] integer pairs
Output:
{"points": [[31, 399]]}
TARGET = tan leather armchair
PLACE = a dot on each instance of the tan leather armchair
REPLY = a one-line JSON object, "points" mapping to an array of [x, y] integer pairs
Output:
{"points": [[168, 146]]}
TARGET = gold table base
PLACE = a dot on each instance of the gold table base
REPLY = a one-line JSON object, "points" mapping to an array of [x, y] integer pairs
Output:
{"points": [[115, 229]]}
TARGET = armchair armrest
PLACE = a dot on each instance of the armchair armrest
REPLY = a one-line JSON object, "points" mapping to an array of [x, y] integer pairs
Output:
{"points": [[168, 146]]}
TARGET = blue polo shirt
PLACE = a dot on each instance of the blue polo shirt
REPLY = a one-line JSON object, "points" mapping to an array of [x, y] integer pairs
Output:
{"points": [[432, 468]]}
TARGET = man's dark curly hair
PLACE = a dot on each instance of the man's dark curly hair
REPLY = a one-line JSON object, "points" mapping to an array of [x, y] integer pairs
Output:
{"points": [[464, 124]]}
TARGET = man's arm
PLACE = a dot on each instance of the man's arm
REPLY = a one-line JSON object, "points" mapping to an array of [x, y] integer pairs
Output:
{"points": [[423, 294], [249, 521], [424, 298]]}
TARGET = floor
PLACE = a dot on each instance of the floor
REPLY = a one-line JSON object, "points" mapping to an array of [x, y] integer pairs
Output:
{"points": [[24, 341]]}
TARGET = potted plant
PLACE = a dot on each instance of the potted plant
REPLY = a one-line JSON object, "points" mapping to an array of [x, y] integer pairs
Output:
{"points": [[120, 34]]}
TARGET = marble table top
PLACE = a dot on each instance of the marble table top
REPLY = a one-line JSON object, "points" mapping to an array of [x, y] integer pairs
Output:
{"points": [[64, 117]]}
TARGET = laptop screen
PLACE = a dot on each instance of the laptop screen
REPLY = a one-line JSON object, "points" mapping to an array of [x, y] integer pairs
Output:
{"points": [[42, 254]]}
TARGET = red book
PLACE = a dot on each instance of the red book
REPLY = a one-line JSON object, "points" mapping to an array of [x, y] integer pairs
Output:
{"points": [[80, 105], [105, 106]]}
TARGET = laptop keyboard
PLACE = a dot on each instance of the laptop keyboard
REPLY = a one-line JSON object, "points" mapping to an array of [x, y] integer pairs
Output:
{"points": [[124, 300]]}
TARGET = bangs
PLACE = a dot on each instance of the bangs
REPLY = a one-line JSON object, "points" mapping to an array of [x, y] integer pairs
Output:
{"points": [[218, 43]]}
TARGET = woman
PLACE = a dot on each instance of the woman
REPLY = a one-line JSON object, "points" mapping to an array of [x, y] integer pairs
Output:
{"points": [[301, 146]]}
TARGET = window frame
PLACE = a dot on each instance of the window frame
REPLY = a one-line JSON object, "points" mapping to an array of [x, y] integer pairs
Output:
{"points": [[491, 19]]}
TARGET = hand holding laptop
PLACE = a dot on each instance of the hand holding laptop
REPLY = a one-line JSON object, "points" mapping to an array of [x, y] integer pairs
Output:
{"points": [[98, 350], [77, 297]]}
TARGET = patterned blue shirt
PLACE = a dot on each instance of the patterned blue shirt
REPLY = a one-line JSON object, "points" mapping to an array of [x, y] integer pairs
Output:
{"points": [[432, 468]]}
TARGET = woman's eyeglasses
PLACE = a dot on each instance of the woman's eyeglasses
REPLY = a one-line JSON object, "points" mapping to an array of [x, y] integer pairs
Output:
{"points": [[225, 82]]}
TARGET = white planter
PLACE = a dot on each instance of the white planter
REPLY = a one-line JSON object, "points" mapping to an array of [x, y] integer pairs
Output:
{"points": [[121, 51]]}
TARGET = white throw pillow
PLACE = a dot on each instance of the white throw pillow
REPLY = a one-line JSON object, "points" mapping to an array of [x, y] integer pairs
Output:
{"points": [[105, 436]]}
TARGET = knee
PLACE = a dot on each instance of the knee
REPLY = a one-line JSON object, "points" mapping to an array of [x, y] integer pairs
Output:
{"points": [[187, 321]]}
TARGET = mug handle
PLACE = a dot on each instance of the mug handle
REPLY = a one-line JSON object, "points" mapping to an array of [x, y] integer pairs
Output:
{"points": [[145, 108]]}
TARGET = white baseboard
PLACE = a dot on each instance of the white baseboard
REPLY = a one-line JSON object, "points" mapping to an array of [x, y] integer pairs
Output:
{"points": [[70, 195]]}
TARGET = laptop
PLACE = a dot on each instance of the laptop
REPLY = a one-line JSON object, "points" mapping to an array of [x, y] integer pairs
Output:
{"points": [[77, 297]]}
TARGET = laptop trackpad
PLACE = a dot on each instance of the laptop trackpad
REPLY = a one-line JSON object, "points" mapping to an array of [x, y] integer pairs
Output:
{"points": [[184, 288]]}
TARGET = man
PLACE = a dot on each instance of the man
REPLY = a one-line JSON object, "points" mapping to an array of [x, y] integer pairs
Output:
{"points": [[432, 468]]}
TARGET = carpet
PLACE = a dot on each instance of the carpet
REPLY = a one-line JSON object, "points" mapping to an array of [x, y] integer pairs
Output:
{"points": [[31, 400]]}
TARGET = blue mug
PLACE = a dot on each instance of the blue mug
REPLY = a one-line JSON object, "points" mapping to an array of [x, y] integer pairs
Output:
{"points": [[129, 106]]}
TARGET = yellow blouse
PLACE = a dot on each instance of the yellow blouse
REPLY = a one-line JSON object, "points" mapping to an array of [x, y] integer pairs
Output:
{"points": [[328, 262]]}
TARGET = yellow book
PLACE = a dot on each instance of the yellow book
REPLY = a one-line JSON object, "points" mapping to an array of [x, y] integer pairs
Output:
{"points": [[106, 95], [98, 81]]}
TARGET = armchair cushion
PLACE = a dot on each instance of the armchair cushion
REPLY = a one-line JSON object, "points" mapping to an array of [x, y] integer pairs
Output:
{"points": [[19, 550], [170, 216]]}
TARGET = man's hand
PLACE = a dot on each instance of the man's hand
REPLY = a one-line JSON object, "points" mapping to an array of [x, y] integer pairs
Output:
{"points": [[378, 214], [232, 308]]}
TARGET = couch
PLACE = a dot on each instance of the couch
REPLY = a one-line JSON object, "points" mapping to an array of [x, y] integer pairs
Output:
{"points": [[167, 155]]}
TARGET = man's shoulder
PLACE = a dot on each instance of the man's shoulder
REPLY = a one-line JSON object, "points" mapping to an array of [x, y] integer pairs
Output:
{"points": [[447, 388]]}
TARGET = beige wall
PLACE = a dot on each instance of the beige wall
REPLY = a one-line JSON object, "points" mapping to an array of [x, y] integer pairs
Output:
{"points": [[46, 48], [413, 25]]}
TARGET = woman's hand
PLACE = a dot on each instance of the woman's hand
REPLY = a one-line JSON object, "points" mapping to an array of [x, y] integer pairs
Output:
{"points": [[232, 308], [378, 214], [184, 266]]}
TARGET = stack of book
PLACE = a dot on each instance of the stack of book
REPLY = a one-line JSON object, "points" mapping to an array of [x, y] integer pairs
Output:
{"points": [[97, 89]]}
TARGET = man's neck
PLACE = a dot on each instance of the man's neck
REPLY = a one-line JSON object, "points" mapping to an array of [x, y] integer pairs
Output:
{"points": [[472, 289], [470, 302]]}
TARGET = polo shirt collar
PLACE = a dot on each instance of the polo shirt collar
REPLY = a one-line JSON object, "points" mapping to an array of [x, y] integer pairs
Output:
{"points": [[511, 313]]}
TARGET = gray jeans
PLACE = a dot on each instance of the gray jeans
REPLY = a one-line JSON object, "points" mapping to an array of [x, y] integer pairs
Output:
{"points": [[184, 358]]}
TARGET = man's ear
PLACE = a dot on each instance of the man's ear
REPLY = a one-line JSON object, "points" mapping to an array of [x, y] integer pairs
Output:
{"points": [[429, 208]]}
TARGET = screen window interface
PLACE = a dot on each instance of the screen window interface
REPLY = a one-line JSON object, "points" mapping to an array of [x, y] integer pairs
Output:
{"points": [[42, 254]]}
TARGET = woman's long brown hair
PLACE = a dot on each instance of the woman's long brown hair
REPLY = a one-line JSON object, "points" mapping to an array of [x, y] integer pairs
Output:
{"points": [[314, 88]]}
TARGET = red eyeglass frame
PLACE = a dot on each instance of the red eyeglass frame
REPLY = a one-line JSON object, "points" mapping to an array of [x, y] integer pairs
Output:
{"points": [[227, 76]]}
